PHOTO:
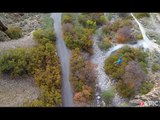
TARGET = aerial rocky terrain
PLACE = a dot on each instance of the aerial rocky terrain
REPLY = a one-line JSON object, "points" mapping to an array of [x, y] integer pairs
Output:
{"points": [[84, 47]]}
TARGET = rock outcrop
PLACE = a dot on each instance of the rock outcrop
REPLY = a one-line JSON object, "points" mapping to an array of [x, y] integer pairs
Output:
{"points": [[3, 37], [150, 99]]}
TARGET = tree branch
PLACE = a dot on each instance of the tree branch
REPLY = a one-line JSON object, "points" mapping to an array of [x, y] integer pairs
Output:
{"points": [[3, 27]]}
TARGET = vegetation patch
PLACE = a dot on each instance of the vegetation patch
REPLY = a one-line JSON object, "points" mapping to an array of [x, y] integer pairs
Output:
{"points": [[42, 63], [82, 78], [130, 73], [108, 96], [146, 87], [94, 19], [141, 15], [16, 62], [155, 67], [47, 74], [79, 38], [41, 34], [120, 29], [78, 29], [105, 44], [14, 32]]}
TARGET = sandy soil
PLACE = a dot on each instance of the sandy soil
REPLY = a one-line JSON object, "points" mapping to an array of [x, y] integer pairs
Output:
{"points": [[14, 92]]}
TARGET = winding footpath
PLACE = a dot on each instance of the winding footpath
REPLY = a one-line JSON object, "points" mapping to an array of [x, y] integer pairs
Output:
{"points": [[103, 81], [25, 42], [147, 43]]}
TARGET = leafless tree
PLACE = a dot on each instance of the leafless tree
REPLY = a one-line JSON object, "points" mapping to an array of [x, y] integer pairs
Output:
{"points": [[123, 34], [134, 75]]}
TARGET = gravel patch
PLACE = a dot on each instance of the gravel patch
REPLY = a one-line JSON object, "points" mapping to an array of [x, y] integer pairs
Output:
{"points": [[14, 92]]}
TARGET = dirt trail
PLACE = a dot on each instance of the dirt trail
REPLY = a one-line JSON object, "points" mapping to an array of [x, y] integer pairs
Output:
{"points": [[14, 92], [26, 41]]}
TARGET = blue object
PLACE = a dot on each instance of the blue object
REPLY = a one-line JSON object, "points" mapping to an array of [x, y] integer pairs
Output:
{"points": [[119, 61]]}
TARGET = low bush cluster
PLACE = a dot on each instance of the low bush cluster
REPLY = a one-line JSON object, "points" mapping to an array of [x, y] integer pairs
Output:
{"points": [[105, 44], [108, 96], [14, 32], [131, 73], [155, 67], [42, 63], [141, 15], [82, 77], [77, 30]]}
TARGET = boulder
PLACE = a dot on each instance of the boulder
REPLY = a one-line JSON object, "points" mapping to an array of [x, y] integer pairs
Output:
{"points": [[3, 36]]}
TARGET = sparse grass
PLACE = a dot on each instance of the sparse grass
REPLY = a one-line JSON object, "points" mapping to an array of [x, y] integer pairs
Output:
{"points": [[104, 44], [141, 15], [47, 22], [146, 87], [155, 67], [138, 36], [108, 96]]}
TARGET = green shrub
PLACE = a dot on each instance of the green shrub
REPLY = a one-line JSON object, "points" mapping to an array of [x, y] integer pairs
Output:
{"points": [[143, 66], [104, 44], [47, 74], [79, 35], [67, 18], [43, 41], [87, 22], [155, 67], [141, 56], [138, 36], [146, 87], [102, 19], [14, 32], [82, 19], [80, 38], [47, 22], [108, 96], [98, 18], [44, 33], [141, 15], [120, 23], [124, 90], [91, 24], [34, 103], [128, 82], [41, 62], [16, 62], [128, 54], [38, 34], [106, 29]]}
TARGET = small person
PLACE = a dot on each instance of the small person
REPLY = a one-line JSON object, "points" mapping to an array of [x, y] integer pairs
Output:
{"points": [[119, 60]]}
